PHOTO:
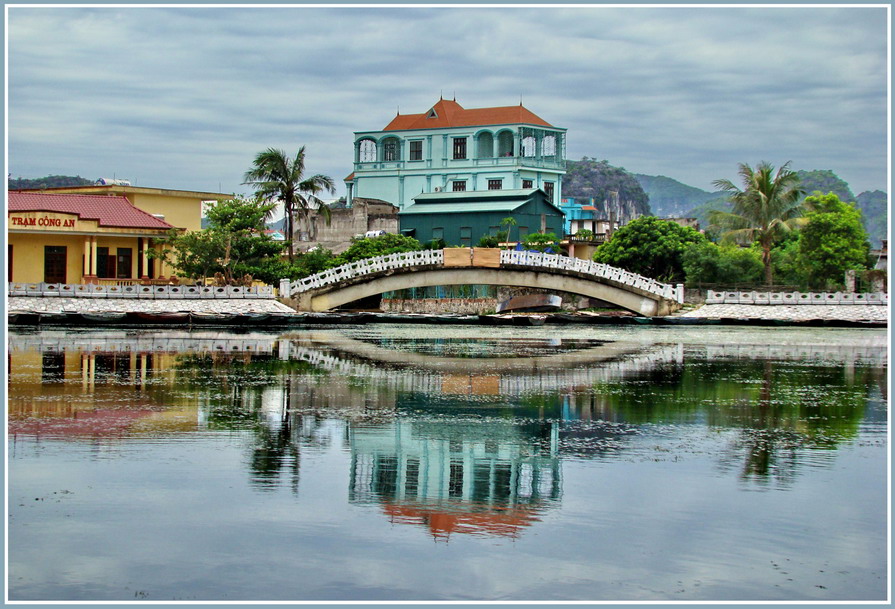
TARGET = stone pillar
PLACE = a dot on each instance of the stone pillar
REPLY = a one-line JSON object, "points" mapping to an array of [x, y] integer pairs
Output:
{"points": [[144, 253], [93, 261], [90, 260], [850, 281]]}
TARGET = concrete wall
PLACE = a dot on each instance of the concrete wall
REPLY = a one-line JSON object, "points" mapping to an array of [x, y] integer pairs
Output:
{"points": [[364, 215]]}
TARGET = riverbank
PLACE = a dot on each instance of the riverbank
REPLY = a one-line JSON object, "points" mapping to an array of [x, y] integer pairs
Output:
{"points": [[236, 312]]}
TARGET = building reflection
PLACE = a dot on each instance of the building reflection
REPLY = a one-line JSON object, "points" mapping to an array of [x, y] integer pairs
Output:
{"points": [[454, 443], [481, 478]]}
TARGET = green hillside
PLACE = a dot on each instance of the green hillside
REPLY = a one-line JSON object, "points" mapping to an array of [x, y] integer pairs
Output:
{"points": [[825, 181], [670, 198], [874, 206], [47, 182]]}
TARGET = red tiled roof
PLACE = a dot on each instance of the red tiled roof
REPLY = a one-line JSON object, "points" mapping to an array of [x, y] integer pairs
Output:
{"points": [[107, 211], [448, 113], [589, 208]]}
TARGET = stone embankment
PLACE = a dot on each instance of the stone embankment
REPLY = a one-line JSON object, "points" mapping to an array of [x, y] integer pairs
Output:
{"points": [[876, 314], [125, 305], [794, 313]]}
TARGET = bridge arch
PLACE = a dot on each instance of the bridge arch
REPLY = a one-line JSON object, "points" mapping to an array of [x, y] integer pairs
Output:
{"points": [[339, 286]]}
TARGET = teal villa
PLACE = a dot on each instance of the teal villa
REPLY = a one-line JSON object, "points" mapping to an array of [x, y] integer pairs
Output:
{"points": [[455, 173]]}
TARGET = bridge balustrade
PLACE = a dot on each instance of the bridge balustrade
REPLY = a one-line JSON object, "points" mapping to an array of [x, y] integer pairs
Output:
{"points": [[508, 258]]}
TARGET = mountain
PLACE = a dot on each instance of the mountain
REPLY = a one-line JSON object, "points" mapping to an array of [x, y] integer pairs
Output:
{"points": [[825, 181], [21, 183], [615, 191], [874, 206], [671, 199]]}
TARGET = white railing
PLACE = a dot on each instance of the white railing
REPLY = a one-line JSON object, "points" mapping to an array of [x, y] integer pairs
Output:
{"points": [[79, 290], [507, 258], [796, 298], [360, 268], [595, 269]]}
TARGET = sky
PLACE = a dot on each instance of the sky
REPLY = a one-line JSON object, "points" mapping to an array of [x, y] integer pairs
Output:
{"points": [[185, 97]]}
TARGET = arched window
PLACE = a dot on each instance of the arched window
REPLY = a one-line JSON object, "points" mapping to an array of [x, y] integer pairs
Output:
{"points": [[366, 151], [505, 143], [391, 149], [529, 146], [485, 145], [548, 145]]}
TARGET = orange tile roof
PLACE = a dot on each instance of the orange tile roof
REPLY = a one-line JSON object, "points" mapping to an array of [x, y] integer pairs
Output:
{"points": [[106, 210], [448, 113]]}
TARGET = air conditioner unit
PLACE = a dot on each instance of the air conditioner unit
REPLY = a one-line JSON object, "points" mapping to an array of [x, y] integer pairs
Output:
{"points": [[438, 189]]}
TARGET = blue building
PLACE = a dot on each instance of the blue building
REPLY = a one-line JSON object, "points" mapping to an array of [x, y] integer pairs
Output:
{"points": [[451, 149]]}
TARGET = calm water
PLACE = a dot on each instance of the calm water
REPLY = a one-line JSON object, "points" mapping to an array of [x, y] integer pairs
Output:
{"points": [[448, 463]]}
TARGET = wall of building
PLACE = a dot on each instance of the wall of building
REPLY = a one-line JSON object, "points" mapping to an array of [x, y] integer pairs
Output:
{"points": [[346, 224], [177, 210], [28, 255], [400, 179]]}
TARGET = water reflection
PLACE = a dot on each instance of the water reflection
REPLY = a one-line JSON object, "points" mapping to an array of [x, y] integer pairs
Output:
{"points": [[457, 433], [457, 476]]}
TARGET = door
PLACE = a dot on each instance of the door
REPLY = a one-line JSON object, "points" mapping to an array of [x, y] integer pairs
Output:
{"points": [[55, 257], [124, 261]]}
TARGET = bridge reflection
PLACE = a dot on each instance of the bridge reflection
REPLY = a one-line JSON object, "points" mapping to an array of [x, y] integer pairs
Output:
{"points": [[437, 438]]}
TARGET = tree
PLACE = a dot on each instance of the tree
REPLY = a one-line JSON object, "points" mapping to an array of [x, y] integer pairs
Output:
{"points": [[541, 242], [768, 206], [651, 247], [382, 245], [489, 240], [313, 261], [277, 177], [509, 222], [833, 241], [235, 244], [708, 262]]}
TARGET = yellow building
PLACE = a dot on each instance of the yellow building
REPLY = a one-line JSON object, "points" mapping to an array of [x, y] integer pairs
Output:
{"points": [[96, 234], [180, 208]]}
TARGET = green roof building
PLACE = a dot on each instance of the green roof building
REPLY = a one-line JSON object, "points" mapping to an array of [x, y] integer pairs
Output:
{"points": [[462, 218]]}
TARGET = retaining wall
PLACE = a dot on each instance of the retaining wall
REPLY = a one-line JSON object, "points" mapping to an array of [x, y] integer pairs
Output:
{"points": [[71, 290], [796, 298]]}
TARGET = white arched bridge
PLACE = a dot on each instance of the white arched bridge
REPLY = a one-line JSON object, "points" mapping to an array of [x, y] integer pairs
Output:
{"points": [[481, 266]]}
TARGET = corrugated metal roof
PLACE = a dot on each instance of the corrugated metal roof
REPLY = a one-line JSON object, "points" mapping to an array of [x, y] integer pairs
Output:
{"points": [[466, 207], [472, 201], [477, 195], [108, 211]]}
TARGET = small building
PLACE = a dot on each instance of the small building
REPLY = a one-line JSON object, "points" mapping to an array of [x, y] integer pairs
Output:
{"points": [[361, 217], [462, 218], [64, 238]]}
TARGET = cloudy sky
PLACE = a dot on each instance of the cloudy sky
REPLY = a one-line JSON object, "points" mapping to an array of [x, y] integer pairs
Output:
{"points": [[185, 97]]}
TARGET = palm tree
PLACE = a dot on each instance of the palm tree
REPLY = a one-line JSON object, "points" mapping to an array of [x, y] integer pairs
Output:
{"points": [[767, 206], [277, 177]]}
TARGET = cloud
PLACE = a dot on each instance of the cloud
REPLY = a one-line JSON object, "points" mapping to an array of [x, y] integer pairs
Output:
{"points": [[184, 97]]}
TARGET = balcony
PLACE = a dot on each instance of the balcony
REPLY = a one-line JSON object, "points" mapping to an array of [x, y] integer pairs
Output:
{"points": [[498, 161]]}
